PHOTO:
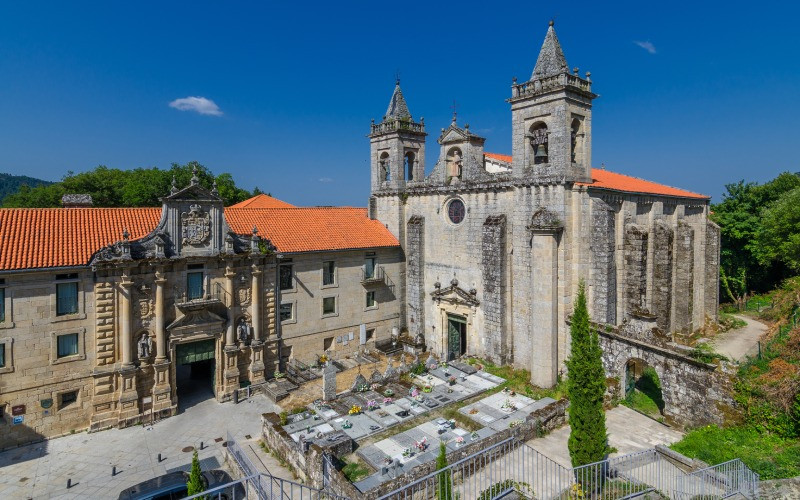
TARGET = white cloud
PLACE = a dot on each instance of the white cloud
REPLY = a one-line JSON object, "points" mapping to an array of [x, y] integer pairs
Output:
{"points": [[197, 104], [648, 46], [325, 179]]}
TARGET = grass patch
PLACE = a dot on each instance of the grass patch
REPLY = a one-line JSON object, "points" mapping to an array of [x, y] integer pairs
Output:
{"points": [[730, 322], [642, 403], [519, 380], [355, 471], [771, 456]]}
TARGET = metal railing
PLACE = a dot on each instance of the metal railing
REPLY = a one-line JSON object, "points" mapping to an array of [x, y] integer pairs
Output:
{"points": [[719, 481], [514, 466], [214, 292], [266, 486], [378, 275]]}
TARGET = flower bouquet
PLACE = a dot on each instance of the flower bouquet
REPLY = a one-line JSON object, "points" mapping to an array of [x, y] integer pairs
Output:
{"points": [[408, 452], [347, 424], [514, 423], [354, 410], [474, 436], [387, 401], [375, 387], [422, 444], [460, 440], [414, 392], [372, 405], [280, 375], [508, 406], [452, 380], [388, 393], [323, 359], [427, 389], [363, 388]]}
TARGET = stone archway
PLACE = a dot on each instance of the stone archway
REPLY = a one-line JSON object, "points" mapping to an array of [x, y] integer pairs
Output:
{"points": [[641, 387]]}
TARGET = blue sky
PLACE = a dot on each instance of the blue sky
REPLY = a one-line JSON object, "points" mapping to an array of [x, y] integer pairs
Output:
{"points": [[693, 95]]}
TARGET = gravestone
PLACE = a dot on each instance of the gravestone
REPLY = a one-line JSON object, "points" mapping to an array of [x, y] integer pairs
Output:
{"points": [[431, 363], [329, 382], [358, 382], [390, 372], [376, 377]]}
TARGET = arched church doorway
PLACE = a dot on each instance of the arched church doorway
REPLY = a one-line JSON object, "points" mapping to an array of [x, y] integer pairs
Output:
{"points": [[195, 372], [643, 389], [456, 336]]}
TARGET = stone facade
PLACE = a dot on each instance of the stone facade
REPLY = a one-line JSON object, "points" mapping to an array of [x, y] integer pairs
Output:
{"points": [[501, 247], [191, 290]]}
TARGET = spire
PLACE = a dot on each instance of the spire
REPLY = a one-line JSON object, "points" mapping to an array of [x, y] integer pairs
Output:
{"points": [[397, 105], [551, 59]]}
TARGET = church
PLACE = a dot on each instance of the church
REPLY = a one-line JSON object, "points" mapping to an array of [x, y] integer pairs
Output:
{"points": [[111, 316], [495, 246]]}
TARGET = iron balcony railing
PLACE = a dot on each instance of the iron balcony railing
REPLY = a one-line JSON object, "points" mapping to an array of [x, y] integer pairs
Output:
{"points": [[373, 276], [214, 292]]}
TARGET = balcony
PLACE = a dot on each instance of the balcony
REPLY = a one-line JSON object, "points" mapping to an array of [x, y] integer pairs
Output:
{"points": [[374, 276], [200, 298]]}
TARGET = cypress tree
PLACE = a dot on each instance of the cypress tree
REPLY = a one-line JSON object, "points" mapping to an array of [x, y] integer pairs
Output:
{"points": [[195, 483], [588, 440], [445, 486]]}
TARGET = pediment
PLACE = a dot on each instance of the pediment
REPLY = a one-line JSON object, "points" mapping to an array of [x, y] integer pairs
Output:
{"points": [[453, 134], [198, 320], [456, 295]]}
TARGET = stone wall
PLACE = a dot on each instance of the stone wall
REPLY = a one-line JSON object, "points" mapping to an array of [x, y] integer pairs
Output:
{"points": [[635, 255], [712, 270], [604, 269], [684, 279], [694, 393], [415, 275], [494, 287], [662, 274]]}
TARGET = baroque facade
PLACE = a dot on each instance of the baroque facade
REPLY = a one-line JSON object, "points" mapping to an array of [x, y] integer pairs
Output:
{"points": [[96, 335], [496, 245]]}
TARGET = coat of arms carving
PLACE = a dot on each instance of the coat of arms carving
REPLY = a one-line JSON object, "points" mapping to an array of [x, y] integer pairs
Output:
{"points": [[196, 225], [243, 296]]}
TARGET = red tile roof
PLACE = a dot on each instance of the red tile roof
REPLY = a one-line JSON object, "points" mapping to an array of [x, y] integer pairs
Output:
{"points": [[33, 238], [604, 179], [262, 201], [310, 229], [495, 156]]}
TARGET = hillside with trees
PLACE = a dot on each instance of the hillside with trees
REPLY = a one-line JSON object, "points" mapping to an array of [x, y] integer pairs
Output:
{"points": [[112, 187], [10, 184]]}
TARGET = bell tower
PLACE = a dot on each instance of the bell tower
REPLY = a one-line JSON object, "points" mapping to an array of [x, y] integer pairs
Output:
{"points": [[397, 146], [551, 119]]}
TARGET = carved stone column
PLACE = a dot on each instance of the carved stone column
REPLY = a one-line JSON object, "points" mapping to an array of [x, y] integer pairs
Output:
{"points": [[231, 350], [162, 391], [545, 231], [257, 345], [129, 397]]}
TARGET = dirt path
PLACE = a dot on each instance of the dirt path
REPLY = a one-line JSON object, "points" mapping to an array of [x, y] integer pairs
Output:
{"points": [[738, 343]]}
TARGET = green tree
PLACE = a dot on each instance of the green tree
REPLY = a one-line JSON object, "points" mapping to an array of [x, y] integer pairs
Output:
{"points": [[195, 483], [140, 187], [588, 440], [743, 266], [445, 481], [778, 237]]}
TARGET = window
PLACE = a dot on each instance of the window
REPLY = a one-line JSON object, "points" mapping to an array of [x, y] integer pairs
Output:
{"points": [[371, 299], [2, 355], [369, 267], [194, 285], [286, 280], [287, 312], [67, 399], [538, 138], [327, 343], [384, 174], [409, 166], [6, 356], [67, 345], [329, 305], [370, 334], [2, 306], [456, 211], [328, 272], [66, 298]]}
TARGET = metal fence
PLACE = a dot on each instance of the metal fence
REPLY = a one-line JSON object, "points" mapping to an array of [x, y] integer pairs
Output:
{"points": [[265, 486], [513, 466]]}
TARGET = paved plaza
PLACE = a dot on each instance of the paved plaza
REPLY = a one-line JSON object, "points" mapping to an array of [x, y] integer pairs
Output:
{"points": [[41, 470]]}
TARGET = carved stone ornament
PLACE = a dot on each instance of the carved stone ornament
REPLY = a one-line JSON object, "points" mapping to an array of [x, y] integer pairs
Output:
{"points": [[196, 226], [243, 296], [545, 220]]}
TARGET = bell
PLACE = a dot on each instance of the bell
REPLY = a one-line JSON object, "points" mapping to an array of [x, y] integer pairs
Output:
{"points": [[541, 153]]}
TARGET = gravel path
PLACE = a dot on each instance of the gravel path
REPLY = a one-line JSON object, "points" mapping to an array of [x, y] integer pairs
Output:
{"points": [[738, 343]]}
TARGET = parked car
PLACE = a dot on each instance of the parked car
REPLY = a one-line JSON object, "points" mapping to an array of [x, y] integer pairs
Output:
{"points": [[172, 486]]}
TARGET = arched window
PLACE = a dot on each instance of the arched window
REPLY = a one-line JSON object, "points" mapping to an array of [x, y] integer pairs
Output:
{"points": [[408, 166], [538, 140], [383, 164], [454, 163], [576, 140]]}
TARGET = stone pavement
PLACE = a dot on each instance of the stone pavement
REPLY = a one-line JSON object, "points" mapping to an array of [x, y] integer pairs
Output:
{"points": [[628, 431], [41, 470]]}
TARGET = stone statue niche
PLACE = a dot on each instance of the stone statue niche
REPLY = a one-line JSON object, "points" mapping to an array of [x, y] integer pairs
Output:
{"points": [[144, 346], [243, 330]]}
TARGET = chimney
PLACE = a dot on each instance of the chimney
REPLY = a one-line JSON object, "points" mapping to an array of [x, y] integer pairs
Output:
{"points": [[76, 200]]}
